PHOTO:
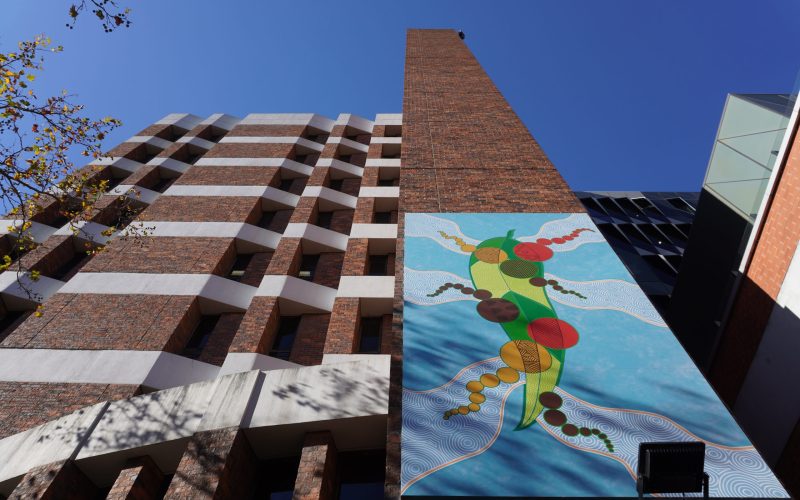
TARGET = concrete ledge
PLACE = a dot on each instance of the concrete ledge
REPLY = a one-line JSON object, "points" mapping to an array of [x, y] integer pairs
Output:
{"points": [[151, 140], [379, 192], [366, 286], [247, 139], [89, 231], [335, 199], [118, 162], [185, 121], [135, 193], [249, 237], [20, 293], [387, 140], [236, 362], [389, 119], [153, 369], [317, 239], [38, 232], [170, 164], [196, 141], [214, 288], [313, 120], [340, 169], [299, 296], [383, 162], [374, 231], [349, 144], [221, 120], [355, 121]]}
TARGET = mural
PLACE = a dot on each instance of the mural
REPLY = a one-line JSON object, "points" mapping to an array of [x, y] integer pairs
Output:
{"points": [[534, 366]]}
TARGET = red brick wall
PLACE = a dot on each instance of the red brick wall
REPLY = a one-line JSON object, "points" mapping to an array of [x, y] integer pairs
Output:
{"points": [[26, 405], [204, 208], [165, 255], [56, 481], [772, 253], [95, 321], [229, 176], [309, 343], [140, 479], [316, 475]]}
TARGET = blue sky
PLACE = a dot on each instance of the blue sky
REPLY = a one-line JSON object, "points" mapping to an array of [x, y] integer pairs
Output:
{"points": [[622, 94]]}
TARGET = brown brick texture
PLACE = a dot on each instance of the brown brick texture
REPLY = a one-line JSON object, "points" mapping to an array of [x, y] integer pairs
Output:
{"points": [[217, 464], [316, 475], [57, 481], [139, 479], [27, 405]]}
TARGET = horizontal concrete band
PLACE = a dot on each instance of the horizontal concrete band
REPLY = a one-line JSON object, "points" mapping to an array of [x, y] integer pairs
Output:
{"points": [[389, 119], [196, 141], [350, 144], [103, 436], [151, 140], [285, 163], [246, 139], [387, 140], [268, 193], [383, 162], [313, 120], [340, 166]]}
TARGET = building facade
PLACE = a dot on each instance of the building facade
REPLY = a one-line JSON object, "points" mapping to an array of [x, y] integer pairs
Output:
{"points": [[648, 231], [266, 336]]}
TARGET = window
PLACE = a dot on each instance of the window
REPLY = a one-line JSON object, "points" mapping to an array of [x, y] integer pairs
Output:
{"points": [[284, 337], [388, 182], [393, 131], [200, 336], [345, 158], [324, 219], [9, 321], [113, 182], [163, 184], [382, 218], [286, 184], [301, 158], [308, 266], [336, 184], [681, 204], [378, 265], [369, 339], [240, 266], [277, 477], [266, 219], [361, 474], [71, 266]]}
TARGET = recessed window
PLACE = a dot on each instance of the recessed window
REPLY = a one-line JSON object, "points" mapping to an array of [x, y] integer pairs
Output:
{"points": [[387, 182], [71, 266], [286, 184], [163, 184], [393, 131], [361, 474], [266, 219], [301, 158], [382, 218], [369, 339], [308, 267], [378, 265], [200, 336], [9, 321], [284, 337], [345, 158], [240, 266], [336, 184], [324, 219]]}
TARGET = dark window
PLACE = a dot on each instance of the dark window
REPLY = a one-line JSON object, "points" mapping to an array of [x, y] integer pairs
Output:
{"points": [[163, 184], [60, 220], [71, 266], [634, 235], [277, 477], [113, 182], [124, 216], [300, 158], [642, 203], [610, 207], [390, 156], [215, 136], [200, 336], [369, 341], [352, 137], [672, 233], [345, 158], [284, 337], [629, 207], [9, 321], [361, 474], [324, 219], [266, 219], [378, 265], [319, 138], [653, 234], [382, 218], [147, 156], [286, 184], [240, 266], [393, 131], [681, 204], [336, 184], [387, 182], [308, 266]]}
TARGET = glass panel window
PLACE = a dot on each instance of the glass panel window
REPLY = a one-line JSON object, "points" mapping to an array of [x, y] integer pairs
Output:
{"points": [[284, 337], [200, 336], [370, 335]]}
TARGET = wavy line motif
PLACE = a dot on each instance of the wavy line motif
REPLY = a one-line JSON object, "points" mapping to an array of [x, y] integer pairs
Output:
{"points": [[614, 295], [428, 226], [556, 228], [431, 443]]}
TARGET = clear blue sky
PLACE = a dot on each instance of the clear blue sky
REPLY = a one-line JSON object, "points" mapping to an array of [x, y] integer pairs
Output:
{"points": [[622, 94]]}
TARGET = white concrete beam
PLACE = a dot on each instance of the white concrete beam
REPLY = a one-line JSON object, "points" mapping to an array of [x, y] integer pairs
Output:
{"points": [[299, 296]]}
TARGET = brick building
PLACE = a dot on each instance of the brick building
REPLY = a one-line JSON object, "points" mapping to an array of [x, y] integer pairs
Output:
{"points": [[252, 344]]}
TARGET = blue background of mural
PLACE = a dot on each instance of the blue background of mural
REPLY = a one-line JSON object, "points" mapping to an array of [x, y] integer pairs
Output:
{"points": [[619, 362]]}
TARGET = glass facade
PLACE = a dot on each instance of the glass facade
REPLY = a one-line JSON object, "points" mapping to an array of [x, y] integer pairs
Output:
{"points": [[746, 148]]}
